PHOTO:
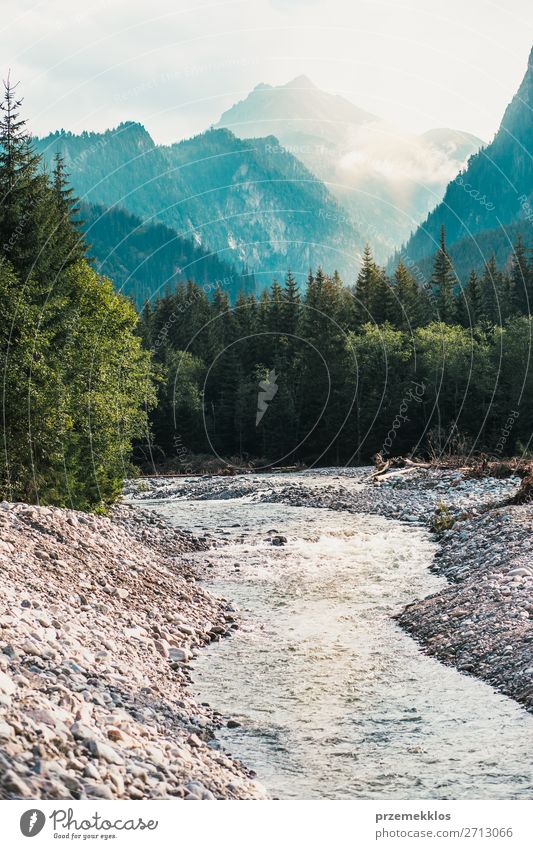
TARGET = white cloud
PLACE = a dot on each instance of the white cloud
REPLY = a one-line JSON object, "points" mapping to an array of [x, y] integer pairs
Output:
{"points": [[176, 66]]}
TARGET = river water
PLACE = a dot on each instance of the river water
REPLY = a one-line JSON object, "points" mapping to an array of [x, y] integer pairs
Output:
{"points": [[333, 699]]}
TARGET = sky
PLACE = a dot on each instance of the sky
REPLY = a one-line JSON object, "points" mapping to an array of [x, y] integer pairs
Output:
{"points": [[176, 65]]}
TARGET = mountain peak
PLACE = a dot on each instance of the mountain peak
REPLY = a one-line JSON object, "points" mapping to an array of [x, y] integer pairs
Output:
{"points": [[300, 82]]}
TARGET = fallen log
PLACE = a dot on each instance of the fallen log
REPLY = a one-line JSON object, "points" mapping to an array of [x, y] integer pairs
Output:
{"points": [[395, 466]]}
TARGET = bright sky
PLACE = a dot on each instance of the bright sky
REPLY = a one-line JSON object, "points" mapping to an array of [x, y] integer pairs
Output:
{"points": [[176, 65]]}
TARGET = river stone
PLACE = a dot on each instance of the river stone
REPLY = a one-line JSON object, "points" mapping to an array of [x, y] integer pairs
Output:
{"points": [[278, 540], [179, 654], [6, 730], [105, 753], [198, 791], [7, 686], [97, 791]]}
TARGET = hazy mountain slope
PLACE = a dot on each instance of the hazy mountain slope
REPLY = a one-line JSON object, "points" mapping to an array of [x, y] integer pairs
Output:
{"points": [[297, 109], [146, 260], [468, 254], [493, 192], [250, 201], [387, 179]]}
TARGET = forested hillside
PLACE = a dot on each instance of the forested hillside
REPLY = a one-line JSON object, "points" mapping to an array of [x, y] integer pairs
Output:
{"points": [[251, 202], [149, 260], [494, 193], [315, 371]]}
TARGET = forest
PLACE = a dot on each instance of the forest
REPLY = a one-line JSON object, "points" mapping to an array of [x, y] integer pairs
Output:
{"points": [[76, 384], [388, 366]]}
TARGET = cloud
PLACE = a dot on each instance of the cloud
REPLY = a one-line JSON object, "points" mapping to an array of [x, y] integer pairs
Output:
{"points": [[383, 151], [175, 65]]}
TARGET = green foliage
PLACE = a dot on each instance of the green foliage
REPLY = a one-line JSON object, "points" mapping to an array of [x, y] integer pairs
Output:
{"points": [[443, 520], [326, 374], [346, 387]]}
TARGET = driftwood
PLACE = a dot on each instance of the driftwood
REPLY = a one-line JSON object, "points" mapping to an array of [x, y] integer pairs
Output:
{"points": [[395, 466], [475, 468]]}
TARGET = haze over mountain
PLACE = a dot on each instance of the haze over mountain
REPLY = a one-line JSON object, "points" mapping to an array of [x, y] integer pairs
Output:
{"points": [[251, 202], [149, 260], [387, 179], [490, 202]]}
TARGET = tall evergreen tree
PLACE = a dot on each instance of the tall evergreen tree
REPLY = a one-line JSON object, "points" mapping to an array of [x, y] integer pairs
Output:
{"points": [[291, 305], [474, 299], [69, 246], [522, 280], [24, 191], [364, 286], [443, 282], [407, 311], [491, 290]]}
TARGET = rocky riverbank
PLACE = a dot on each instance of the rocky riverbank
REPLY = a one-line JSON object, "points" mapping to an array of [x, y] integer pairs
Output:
{"points": [[482, 622], [99, 618]]}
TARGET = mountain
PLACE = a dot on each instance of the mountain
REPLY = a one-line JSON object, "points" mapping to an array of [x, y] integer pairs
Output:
{"points": [[490, 202], [250, 202], [149, 260], [295, 112], [388, 180]]}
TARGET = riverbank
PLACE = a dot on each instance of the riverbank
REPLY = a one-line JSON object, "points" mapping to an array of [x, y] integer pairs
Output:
{"points": [[99, 618], [482, 622]]}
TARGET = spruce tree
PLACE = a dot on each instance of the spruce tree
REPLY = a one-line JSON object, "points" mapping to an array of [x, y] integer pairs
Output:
{"points": [[68, 241], [364, 286], [275, 315], [443, 282], [291, 305], [407, 308], [522, 280], [474, 298], [490, 293], [381, 297], [23, 190]]}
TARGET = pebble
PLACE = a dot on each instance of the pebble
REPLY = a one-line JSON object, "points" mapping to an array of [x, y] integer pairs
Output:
{"points": [[7, 685], [90, 631]]}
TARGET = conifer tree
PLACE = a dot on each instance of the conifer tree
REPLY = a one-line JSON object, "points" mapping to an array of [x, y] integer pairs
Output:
{"points": [[291, 305], [275, 315], [381, 297], [474, 298], [364, 285], [68, 243], [490, 293], [522, 280], [408, 307], [443, 282], [23, 190]]}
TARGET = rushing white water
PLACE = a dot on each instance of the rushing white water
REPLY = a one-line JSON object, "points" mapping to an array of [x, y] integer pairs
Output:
{"points": [[334, 700]]}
